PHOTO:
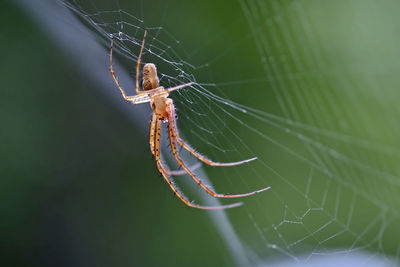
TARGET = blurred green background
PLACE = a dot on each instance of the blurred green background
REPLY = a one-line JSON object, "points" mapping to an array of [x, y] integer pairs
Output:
{"points": [[80, 185]]}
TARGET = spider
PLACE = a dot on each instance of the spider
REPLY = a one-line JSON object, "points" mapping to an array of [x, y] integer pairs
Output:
{"points": [[164, 112]]}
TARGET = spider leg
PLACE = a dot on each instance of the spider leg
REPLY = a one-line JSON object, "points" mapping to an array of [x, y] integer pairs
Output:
{"points": [[113, 74], [183, 172], [168, 90], [137, 99], [144, 97], [171, 184], [138, 64], [174, 129], [152, 132], [161, 90], [151, 141], [172, 137]]}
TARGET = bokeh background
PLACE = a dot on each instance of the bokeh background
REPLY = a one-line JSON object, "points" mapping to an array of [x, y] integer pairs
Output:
{"points": [[79, 185]]}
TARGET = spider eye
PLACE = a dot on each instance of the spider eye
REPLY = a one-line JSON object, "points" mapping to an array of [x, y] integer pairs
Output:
{"points": [[150, 78]]}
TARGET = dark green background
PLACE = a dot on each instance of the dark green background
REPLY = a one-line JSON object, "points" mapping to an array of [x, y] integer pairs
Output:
{"points": [[80, 188]]}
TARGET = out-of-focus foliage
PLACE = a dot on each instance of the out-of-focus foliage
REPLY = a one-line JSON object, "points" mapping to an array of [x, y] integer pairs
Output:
{"points": [[78, 180]]}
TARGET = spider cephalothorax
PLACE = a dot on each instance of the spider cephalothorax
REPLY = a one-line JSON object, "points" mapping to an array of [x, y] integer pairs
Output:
{"points": [[164, 111]]}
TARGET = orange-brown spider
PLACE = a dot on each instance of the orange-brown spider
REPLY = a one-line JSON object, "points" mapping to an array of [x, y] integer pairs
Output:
{"points": [[164, 111]]}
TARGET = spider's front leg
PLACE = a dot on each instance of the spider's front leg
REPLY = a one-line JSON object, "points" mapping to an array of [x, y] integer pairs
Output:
{"points": [[113, 73], [140, 97], [152, 132]]}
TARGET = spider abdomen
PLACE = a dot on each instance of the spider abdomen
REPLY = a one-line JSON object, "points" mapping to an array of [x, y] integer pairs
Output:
{"points": [[159, 104]]}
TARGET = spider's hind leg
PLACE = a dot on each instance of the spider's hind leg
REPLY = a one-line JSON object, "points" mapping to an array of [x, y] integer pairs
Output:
{"points": [[183, 144], [175, 189], [172, 138], [152, 132]]}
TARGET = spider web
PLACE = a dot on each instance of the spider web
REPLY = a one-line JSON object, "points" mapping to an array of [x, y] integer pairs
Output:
{"points": [[307, 87]]}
